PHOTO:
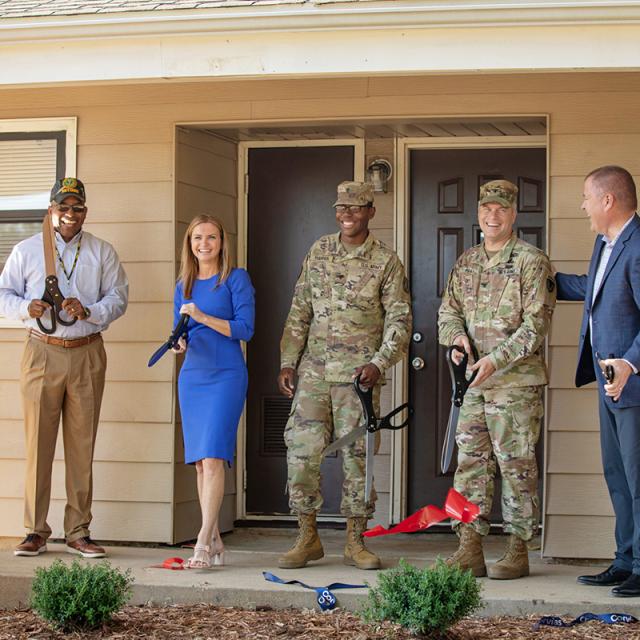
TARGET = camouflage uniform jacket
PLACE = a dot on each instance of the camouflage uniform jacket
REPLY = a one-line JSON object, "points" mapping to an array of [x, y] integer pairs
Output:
{"points": [[349, 308], [504, 304]]}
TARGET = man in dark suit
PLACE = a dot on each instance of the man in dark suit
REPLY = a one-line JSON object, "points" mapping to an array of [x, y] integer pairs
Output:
{"points": [[610, 336]]}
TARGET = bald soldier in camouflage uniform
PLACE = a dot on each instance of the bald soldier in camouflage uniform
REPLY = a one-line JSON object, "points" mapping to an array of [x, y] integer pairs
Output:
{"points": [[350, 315], [500, 297]]}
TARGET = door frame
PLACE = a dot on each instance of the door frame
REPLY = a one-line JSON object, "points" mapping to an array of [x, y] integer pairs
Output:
{"points": [[243, 209], [399, 439]]}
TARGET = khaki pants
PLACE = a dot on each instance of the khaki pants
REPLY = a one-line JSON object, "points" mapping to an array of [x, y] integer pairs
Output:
{"points": [[58, 381]]}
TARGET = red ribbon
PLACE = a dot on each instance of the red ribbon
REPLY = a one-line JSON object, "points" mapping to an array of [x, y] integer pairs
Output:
{"points": [[456, 507], [175, 564]]}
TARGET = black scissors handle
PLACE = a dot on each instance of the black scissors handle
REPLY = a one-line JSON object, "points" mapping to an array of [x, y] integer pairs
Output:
{"points": [[53, 296], [179, 331], [372, 423], [459, 379], [386, 423], [608, 372], [366, 399]]}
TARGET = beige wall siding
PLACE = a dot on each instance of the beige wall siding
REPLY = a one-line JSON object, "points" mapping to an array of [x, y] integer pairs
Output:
{"points": [[206, 178], [126, 155]]}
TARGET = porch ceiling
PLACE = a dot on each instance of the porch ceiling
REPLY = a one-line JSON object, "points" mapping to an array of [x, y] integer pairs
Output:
{"points": [[432, 128]]}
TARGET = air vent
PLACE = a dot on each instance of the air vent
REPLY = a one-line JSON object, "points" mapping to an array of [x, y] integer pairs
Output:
{"points": [[275, 413]]}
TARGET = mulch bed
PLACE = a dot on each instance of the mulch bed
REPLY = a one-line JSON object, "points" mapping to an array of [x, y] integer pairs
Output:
{"points": [[203, 622]]}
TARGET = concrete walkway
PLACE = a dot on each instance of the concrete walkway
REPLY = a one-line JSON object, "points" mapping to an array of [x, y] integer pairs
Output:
{"points": [[551, 588]]}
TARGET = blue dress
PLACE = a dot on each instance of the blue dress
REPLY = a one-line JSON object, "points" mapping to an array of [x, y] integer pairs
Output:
{"points": [[212, 384]]}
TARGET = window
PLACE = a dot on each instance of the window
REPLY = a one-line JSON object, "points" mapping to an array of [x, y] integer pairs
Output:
{"points": [[33, 154]]}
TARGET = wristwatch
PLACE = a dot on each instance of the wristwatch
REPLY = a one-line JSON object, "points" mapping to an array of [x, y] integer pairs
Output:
{"points": [[87, 313]]}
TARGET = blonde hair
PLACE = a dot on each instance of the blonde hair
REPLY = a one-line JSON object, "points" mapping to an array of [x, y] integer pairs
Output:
{"points": [[189, 263]]}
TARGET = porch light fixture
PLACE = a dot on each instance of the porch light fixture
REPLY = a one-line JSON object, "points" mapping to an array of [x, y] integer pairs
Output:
{"points": [[379, 173]]}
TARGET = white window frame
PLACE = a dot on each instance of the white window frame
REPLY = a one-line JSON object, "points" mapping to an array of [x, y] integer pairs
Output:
{"points": [[44, 125]]}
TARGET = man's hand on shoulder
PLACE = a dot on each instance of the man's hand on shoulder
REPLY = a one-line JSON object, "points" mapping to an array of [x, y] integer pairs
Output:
{"points": [[286, 381], [37, 308], [369, 375]]}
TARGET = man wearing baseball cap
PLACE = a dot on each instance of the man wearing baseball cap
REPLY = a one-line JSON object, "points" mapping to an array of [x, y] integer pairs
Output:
{"points": [[499, 298], [350, 315], [63, 372]]}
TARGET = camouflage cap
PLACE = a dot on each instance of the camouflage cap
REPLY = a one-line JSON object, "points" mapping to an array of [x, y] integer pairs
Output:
{"points": [[67, 187], [501, 191], [354, 193]]}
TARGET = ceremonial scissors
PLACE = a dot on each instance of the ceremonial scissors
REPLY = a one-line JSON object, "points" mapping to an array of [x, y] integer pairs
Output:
{"points": [[52, 294], [459, 383], [607, 370], [368, 429], [179, 331]]}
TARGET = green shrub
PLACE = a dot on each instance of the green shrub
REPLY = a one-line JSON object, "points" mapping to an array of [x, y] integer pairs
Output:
{"points": [[79, 596], [423, 600]]}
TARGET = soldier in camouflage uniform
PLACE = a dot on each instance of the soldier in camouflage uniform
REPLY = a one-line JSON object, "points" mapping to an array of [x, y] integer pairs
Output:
{"points": [[500, 297], [350, 315]]}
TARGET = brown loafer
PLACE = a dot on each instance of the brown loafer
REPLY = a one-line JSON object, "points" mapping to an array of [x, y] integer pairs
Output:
{"points": [[32, 545], [86, 548]]}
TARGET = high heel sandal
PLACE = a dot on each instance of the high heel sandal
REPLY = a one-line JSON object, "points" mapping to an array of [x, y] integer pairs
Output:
{"points": [[201, 558], [217, 550]]}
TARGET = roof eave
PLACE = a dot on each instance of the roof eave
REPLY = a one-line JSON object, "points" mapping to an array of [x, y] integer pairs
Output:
{"points": [[320, 16]]}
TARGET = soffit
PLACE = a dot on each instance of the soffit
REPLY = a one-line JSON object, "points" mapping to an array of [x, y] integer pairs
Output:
{"points": [[432, 128]]}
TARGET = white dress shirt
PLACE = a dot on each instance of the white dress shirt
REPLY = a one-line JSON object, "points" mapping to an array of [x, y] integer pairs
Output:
{"points": [[98, 281]]}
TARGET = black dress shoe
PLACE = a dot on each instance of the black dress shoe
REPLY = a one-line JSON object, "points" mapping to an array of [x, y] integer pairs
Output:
{"points": [[607, 578], [630, 588]]}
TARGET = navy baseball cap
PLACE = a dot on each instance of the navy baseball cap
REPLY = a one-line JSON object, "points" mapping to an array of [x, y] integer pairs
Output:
{"points": [[67, 187]]}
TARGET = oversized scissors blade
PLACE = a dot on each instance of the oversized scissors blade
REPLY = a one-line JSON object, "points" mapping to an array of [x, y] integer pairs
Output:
{"points": [[179, 331], [449, 439], [346, 440], [368, 474], [158, 354]]}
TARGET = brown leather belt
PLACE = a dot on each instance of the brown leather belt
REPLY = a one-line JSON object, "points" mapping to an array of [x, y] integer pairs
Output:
{"points": [[64, 342]]}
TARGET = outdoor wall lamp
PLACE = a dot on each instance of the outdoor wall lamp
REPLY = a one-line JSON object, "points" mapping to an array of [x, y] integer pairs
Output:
{"points": [[379, 173]]}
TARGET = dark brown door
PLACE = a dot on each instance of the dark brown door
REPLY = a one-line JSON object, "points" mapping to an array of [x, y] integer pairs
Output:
{"points": [[444, 187], [291, 193]]}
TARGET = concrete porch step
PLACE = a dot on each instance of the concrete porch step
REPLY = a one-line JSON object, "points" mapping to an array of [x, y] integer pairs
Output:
{"points": [[551, 589]]}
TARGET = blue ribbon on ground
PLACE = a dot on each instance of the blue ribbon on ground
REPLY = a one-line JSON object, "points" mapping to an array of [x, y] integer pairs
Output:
{"points": [[326, 599], [607, 618]]}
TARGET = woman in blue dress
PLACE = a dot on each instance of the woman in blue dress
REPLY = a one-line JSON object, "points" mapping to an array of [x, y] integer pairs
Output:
{"points": [[212, 384]]}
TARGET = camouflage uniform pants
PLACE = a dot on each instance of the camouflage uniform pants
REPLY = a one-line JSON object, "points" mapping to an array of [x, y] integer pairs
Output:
{"points": [[319, 410], [503, 426]]}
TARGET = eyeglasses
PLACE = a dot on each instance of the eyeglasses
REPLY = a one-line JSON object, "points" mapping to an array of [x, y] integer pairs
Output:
{"points": [[353, 208], [76, 208]]}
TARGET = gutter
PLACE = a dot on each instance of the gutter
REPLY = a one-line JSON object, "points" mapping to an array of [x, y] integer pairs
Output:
{"points": [[321, 15]]}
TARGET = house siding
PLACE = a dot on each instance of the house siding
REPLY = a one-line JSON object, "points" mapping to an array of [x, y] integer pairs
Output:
{"points": [[126, 154]]}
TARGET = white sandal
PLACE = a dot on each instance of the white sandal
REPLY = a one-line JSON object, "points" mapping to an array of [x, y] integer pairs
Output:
{"points": [[201, 558], [217, 550]]}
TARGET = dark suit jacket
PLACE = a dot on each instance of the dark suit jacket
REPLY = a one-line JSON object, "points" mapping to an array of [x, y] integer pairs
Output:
{"points": [[615, 311]]}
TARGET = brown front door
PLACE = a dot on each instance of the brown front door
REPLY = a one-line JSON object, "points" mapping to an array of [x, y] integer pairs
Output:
{"points": [[291, 193], [444, 187]]}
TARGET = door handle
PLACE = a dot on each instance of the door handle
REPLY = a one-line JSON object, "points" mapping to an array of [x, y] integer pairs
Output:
{"points": [[417, 363]]}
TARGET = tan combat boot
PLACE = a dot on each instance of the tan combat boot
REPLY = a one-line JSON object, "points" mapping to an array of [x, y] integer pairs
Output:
{"points": [[307, 546], [355, 553], [469, 553], [514, 563]]}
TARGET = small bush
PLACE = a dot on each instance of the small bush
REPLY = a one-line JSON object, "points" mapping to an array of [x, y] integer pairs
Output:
{"points": [[423, 600], [79, 596]]}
